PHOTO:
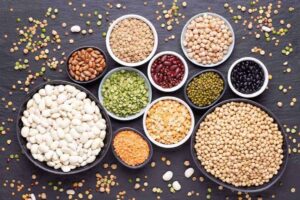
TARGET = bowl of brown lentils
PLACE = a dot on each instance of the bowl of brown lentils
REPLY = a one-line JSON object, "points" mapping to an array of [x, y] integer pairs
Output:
{"points": [[86, 64], [240, 145], [207, 39], [204, 89], [131, 40]]}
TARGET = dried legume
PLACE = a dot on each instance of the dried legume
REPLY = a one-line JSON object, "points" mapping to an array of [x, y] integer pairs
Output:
{"points": [[168, 121], [207, 39], [247, 77], [86, 64], [167, 71], [131, 40], [240, 144], [131, 148], [125, 93], [205, 89]]}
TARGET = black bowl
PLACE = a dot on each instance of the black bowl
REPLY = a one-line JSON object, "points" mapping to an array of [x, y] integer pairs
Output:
{"points": [[252, 189], [144, 137], [197, 74], [92, 80], [22, 141]]}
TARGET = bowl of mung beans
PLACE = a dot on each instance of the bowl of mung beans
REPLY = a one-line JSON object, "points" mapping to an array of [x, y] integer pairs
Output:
{"points": [[168, 122], [207, 39], [131, 40], [125, 93], [131, 148], [239, 144], [204, 89]]}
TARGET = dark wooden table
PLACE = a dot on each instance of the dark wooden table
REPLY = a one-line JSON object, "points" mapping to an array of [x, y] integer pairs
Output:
{"points": [[22, 170]]}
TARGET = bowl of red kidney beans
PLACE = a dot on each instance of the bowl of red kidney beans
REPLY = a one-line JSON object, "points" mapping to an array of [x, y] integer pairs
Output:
{"points": [[167, 71], [248, 77]]}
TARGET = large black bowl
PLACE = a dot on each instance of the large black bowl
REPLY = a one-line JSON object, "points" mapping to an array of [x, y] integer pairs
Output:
{"points": [[227, 185], [43, 165]]}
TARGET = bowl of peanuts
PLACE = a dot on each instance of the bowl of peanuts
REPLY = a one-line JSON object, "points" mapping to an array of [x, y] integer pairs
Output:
{"points": [[207, 39], [86, 64], [168, 122], [131, 40]]}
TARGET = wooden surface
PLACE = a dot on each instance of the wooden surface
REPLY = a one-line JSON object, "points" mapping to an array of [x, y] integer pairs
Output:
{"points": [[23, 169]]}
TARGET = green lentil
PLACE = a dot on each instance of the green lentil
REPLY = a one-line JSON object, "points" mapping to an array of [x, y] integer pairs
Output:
{"points": [[204, 89], [125, 93]]}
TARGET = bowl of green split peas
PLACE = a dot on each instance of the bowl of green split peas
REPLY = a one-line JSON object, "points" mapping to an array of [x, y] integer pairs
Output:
{"points": [[125, 93], [204, 89]]}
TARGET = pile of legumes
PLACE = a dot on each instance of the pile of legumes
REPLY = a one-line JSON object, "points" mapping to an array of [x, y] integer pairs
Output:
{"points": [[247, 77], [131, 40], [207, 39], [131, 147], [63, 127], [86, 64], [167, 71], [240, 144], [125, 93], [205, 88], [168, 121]]}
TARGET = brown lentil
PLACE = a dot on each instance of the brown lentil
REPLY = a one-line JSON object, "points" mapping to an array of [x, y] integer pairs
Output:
{"points": [[86, 64], [131, 40]]}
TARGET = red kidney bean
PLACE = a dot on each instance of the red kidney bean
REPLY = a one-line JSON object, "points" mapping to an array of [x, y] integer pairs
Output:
{"points": [[167, 71]]}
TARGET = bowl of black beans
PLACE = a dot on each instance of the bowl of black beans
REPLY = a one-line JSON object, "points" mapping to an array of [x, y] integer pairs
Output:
{"points": [[248, 77]]}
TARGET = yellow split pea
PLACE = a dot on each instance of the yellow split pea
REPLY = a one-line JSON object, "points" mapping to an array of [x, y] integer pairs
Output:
{"points": [[168, 121]]}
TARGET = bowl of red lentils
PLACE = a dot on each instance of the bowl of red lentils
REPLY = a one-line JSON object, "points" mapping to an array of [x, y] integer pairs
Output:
{"points": [[207, 39], [131, 148], [86, 64], [131, 40], [168, 122], [167, 71]]}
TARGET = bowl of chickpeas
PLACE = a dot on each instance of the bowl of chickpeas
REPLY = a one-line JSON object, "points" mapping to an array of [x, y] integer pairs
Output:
{"points": [[207, 39]]}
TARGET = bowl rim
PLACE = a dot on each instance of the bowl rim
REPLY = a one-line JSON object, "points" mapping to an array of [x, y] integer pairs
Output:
{"points": [[252, 189], [186, 72], [194, 76], [263, 87], [140, 134], [188, 135], [231, 47], [42, 165], [92, 80], [100, 97], [110, 29]]}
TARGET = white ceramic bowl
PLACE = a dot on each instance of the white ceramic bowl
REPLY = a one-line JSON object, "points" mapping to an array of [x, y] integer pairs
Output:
{"points": [[261, 90], [128, 118], [112, 27], [188, 135], [186, 71], [229, 50]]}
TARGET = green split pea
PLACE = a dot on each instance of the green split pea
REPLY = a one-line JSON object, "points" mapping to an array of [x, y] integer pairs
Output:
{"points": [[125, 93], [205, 88]]}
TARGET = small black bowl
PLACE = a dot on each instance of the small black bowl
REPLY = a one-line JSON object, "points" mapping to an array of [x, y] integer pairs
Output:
{"points": [[144, 137], [197, 74], [22, 141], [92, 80], [252, 189]]}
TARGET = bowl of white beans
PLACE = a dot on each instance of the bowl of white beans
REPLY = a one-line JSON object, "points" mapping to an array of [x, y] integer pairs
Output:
{"points": [[62, 128]]}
